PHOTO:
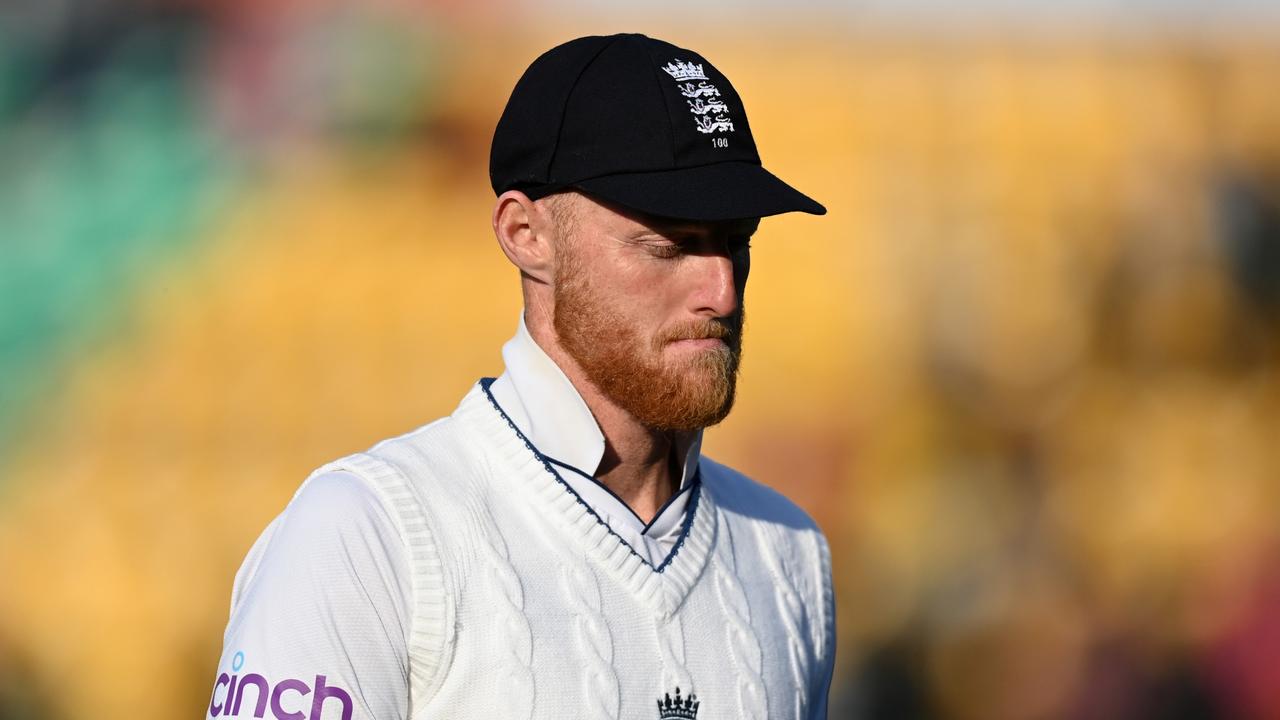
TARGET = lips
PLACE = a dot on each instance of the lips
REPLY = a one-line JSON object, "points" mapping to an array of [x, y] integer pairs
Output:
{"points": [[701, 342]]}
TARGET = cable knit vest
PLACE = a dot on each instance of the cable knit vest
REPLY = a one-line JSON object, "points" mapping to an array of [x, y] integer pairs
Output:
{"points": [[527, 606]]}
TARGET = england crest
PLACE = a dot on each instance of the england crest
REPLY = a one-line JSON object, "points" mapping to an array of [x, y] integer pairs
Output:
{"points": [[678, 708], [710, 112]]}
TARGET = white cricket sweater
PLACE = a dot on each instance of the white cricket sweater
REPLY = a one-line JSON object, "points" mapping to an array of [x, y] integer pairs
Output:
{"points": [[518, 601]]}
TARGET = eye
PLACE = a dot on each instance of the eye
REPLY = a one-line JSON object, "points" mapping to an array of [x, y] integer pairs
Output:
{"points": [[671, 245], [666, 250]]}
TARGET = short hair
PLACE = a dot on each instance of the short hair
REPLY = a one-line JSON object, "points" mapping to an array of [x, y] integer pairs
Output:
{"points": [[564, 209]]}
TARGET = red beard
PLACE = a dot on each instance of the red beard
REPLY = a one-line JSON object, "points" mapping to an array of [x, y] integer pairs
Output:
{"points": [[687, 393]]}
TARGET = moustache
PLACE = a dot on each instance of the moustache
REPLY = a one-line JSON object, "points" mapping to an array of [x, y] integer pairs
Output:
{"points": [[729, 330]]}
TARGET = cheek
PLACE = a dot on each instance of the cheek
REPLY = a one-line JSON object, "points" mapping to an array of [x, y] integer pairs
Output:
{"points": [[645, 287], [641, 290], [627, 293]]}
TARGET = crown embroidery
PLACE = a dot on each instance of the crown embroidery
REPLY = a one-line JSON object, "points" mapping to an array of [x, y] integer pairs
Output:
{"points": [[685, 71], [678, 708]]}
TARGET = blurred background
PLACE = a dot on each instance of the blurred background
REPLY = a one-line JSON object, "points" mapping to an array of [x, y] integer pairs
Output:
{"points": [[1024, 374]]}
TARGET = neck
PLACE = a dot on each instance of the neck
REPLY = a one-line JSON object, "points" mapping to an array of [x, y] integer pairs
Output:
{"points": [[642, 466]]}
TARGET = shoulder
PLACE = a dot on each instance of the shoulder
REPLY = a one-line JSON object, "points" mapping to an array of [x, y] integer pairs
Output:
{"points": [[335, 551], [335, 518], [334, 499], [429, 480], [738, 495]]}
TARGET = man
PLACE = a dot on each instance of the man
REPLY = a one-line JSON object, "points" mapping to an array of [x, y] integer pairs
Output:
{"points": [[558, 546]]}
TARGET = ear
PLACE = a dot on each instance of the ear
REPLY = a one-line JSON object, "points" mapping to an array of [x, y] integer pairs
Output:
{"points": [[524, 233]]}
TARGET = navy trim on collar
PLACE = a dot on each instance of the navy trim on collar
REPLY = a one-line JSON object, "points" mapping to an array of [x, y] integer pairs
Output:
{"points": [[697, 473], [644, 525], [695, 486]]}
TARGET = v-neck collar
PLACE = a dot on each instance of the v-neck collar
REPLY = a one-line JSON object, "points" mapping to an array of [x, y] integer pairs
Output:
{"points": [[653, 539], [664, 586]]}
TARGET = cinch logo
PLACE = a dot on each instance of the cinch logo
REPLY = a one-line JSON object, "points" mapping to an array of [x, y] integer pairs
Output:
{"points": [[228, 703]]}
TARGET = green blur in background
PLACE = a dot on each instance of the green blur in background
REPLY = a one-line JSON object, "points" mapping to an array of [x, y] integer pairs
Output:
{"points": [[1024, 374]]}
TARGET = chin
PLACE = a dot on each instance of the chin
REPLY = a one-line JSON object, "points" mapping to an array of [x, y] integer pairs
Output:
{"points": [[702, 400]]}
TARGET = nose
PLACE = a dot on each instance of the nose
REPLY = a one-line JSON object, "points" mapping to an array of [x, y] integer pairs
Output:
{"points": [[718, 285]]}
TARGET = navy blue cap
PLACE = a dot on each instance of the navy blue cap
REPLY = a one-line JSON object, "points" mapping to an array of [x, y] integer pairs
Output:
{"points": [[638, 122]]}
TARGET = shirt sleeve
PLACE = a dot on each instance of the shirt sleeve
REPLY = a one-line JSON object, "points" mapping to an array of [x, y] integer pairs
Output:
{"points": [[321, 612]]}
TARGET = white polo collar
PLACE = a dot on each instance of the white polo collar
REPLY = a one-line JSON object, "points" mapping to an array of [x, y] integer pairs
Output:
{"points": [[539, 399]]}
